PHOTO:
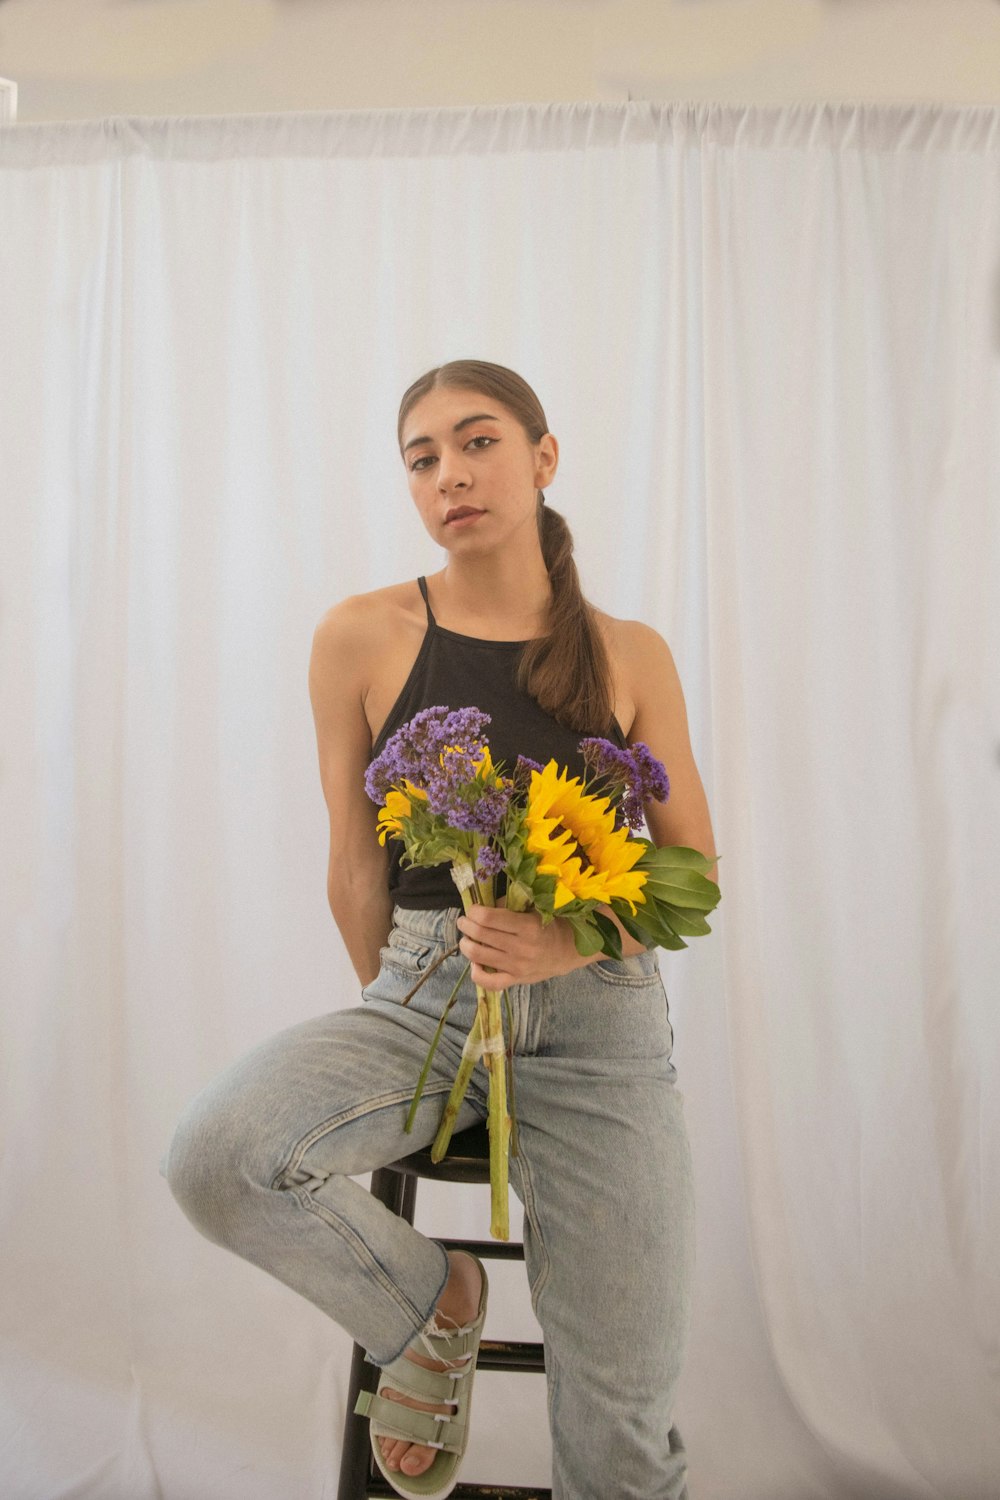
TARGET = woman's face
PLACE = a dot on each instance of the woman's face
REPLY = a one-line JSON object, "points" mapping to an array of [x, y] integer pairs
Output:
{"points": [[460, 449]]}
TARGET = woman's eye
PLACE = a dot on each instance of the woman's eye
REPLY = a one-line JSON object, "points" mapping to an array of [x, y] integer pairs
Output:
{"points": [[482, 437]]}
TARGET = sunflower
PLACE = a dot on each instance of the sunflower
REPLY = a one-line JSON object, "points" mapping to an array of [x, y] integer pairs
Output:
{"points": [[397, 805], [574, 836]]}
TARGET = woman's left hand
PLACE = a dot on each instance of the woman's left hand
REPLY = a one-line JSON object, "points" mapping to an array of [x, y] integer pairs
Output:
{"points": [[516, 945]]}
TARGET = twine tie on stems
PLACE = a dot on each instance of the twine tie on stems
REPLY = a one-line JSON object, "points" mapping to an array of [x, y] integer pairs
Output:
{"points": [[435, 1328], [476, 1048]]}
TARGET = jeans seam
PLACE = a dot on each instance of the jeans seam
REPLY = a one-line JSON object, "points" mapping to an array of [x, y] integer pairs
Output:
{"points": [[359, 1111], [630, 981], [550, 1402], [363, 1253], [349, 1235], [532, 1212], [427, 1318]]}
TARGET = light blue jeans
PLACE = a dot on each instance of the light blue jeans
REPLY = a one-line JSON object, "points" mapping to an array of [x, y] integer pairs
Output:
{"points": [[262, 1158]]}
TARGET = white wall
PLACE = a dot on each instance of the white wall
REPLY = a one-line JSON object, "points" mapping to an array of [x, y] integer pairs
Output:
{"points": [[76, 59]]}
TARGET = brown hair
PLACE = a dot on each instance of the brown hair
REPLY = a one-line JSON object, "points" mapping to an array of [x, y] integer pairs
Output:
{"points": [[566, 671]]}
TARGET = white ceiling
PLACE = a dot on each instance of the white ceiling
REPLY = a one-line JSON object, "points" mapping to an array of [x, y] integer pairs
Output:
{"points": [[86, 58]]}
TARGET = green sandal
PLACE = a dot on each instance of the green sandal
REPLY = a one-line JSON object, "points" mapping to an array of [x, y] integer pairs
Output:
{"points": [[447, 1432]]}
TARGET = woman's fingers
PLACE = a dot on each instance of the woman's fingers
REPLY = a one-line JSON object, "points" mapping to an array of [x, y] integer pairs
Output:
{"points": [[516, 944]]}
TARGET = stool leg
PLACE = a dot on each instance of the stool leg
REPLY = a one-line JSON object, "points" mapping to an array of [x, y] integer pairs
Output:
{"points": [[397, 1190], [356, 1453], [388, 1187], [409, 1198]]}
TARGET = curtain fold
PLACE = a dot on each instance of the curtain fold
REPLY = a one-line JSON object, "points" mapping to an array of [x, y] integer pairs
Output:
{"points": [[767, 339]]}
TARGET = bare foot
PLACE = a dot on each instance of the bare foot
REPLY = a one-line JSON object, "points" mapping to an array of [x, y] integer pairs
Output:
{"points": [[459, 1301]]}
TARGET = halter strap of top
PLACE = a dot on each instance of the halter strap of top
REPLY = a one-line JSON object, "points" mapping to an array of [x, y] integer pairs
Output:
{"points": [[430, 613]]}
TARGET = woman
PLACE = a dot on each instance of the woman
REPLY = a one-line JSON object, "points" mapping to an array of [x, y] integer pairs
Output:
{"points": [[262, 1159]]}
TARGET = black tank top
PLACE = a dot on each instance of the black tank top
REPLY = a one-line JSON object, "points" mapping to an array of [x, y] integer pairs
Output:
{"points": [[462, 671]]}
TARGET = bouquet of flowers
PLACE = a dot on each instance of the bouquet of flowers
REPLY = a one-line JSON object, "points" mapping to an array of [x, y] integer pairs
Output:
{"points": [[566, 847]]}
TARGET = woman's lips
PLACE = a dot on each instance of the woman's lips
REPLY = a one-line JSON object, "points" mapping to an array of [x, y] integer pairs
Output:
{"points": [[466, 520]]}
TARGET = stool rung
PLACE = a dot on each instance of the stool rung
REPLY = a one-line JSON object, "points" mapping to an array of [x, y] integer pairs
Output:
{"points": [[466, 1490], [508, 1354], [486, 1249]]}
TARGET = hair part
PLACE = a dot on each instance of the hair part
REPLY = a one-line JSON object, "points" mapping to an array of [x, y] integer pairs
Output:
{"points": [[567, 670]]}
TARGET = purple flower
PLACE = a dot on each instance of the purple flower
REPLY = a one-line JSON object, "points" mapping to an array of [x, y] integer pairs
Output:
{"points": [[652, 773], [606, 759], [437, 750], [489, 862], [632, 775], [468, 804], [491, 808], [414, 751], [521, 775]]}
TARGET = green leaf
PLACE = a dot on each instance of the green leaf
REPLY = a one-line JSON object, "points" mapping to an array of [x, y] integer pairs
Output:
{"points": [[676, 856], [660, 924], [683, 921], [612, 937], [630, 924], [586, 936], [682, 888]]}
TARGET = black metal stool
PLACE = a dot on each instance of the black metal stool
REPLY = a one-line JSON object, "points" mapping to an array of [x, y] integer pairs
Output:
{"points": [[395, 1185]]}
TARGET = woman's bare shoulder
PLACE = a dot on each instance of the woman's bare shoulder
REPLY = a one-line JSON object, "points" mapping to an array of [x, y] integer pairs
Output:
{"points": [[375, 610], [374, 638], [620, 636], [371, 636]]}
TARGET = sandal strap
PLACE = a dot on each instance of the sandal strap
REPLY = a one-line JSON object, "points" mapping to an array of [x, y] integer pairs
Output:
{"points": [[393, 1419], [416, 1380], [452, 1345]]}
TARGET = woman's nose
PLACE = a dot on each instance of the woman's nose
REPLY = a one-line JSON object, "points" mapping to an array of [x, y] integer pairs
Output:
{"points": [[452, 475]]}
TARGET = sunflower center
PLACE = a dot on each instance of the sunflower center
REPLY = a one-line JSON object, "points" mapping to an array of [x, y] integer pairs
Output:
{"points": [[575, 847]]}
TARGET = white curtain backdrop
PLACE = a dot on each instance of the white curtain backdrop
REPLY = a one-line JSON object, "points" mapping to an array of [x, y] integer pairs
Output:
{"points": [[768, 341]]}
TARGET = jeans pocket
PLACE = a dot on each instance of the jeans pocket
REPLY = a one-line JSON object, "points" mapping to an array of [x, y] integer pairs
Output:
{"points": [[400, 968], [407, 950], [633, 968]]}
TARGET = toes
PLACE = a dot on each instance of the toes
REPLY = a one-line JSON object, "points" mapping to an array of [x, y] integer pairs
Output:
{"points": [[393, 1451], [413, 1458], [406, 1456]]}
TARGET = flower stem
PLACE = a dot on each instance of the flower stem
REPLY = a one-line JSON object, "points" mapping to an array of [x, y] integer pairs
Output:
{"points": [[434, 1041], [498, 1121], [448, 953], [458, 1088], [510, 1076], [487, 1029]]}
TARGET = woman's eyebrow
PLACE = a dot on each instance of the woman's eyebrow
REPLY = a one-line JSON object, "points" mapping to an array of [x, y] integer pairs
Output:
{"points": [[479, 416]]}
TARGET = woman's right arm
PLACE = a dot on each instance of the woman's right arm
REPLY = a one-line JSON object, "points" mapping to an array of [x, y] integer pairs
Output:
{"points": [[357, 874]]}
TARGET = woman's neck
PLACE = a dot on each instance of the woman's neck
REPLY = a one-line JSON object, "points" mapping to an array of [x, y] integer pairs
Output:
{"points": [[483, 591]]}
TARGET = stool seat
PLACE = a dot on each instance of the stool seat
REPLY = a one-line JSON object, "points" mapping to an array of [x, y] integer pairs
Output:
{"points": [[467, 1159], [395, 1185]]}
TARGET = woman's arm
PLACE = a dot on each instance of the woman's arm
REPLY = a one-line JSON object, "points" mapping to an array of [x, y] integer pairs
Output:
{"points": [[661, 722], [357, 872], [363, 913]]}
